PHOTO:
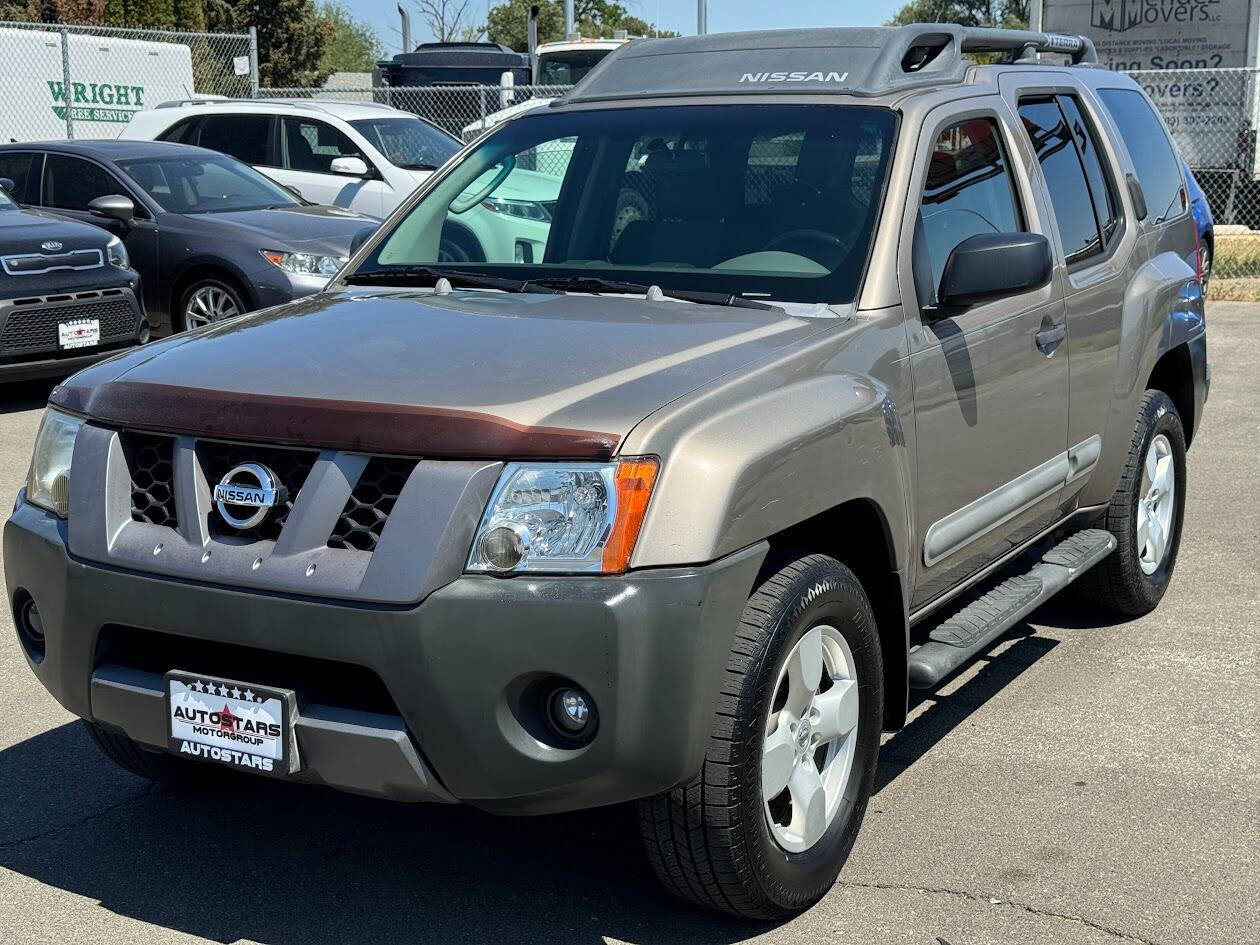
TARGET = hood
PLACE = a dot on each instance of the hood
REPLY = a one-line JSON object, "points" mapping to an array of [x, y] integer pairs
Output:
{"points": [[469, 374], [22, 231], [312, 228]]}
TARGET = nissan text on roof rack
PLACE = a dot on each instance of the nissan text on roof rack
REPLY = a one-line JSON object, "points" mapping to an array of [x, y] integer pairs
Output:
{"points": [[805, 392]]}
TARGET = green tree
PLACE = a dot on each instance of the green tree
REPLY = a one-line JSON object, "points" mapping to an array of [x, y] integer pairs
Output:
{"points": [[353, 45], [506, 22], [291, 37], [1012, 14], [190, 15], [151, 14]]}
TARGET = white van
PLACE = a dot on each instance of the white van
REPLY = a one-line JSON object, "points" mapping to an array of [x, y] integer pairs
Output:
{"points": [[110, 80]]}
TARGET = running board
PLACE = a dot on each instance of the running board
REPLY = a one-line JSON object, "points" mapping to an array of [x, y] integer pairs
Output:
{"points": [[959, 637]]}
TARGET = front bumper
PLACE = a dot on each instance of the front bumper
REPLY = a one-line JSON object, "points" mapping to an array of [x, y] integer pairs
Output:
{"points": [[29, 341], [459, 668], [273, 286]]}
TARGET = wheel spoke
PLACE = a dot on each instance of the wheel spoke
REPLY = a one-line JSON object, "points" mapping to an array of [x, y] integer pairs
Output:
{"points": [[809, 803], [777, 755], [1164, 476], [839, 709], [1149, 469], [1143, 529], [1157, 540], [805, 667]]}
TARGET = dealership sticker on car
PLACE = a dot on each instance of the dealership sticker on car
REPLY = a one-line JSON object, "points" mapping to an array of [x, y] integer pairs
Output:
{"points": [[231, 722], [79, 333]]}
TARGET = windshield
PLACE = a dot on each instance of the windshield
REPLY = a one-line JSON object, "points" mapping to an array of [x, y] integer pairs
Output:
{"points": [[763, 201], [566, 68], [408, 142], [210, 184], [6, 202]]}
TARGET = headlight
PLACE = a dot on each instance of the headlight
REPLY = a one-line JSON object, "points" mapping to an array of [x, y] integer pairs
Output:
{"points": [[527, 209], [48, 482], [116, 252], [305, 264], [567, 517]]}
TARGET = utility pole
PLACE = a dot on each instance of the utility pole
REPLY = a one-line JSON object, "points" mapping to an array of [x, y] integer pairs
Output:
{"points": [[702, 17], [568, 19]]}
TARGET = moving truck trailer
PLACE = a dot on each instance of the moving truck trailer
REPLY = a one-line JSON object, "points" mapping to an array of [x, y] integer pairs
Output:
{"points": [[110, 80]]}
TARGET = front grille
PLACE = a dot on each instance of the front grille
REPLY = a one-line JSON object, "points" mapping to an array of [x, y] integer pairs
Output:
{"points": [[36, 264], [291, 467], [32, 326], [151, 462], [366, 511]]}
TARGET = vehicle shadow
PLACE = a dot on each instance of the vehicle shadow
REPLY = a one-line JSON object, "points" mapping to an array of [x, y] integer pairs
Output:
{"points": [[25, 395], [290, 865]]}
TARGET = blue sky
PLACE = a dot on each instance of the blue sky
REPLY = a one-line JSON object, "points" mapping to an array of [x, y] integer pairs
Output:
{"points": [[680, 15]]}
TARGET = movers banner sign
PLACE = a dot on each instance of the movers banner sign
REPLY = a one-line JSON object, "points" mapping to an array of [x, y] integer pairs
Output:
{"points": [[1170, 44]]}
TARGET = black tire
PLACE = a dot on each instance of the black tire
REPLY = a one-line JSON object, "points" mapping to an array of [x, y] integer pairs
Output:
{"points": [[1117, 583], [709, 840], [145, 762], [180, 317], [457, 245]]}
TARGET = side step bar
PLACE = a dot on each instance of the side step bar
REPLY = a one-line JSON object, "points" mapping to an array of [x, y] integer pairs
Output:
{"points": [[959, 637]]}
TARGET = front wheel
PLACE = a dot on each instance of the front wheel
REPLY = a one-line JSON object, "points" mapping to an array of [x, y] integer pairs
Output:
{"points": [[207, 301], [763, 830]]}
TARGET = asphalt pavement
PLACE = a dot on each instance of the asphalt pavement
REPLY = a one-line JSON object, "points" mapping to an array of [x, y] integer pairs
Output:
{"points": [[1087, 782]]}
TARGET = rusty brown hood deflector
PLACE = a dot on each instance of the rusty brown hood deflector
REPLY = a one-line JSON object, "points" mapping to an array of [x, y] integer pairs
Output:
{"points": [[330, 424]]}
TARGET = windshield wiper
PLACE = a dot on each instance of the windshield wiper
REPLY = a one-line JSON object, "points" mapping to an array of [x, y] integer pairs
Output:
{"points": [[596, 285], [429, 275]]}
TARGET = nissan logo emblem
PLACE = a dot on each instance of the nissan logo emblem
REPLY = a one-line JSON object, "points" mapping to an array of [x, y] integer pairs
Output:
{"points": [[246, 494]]}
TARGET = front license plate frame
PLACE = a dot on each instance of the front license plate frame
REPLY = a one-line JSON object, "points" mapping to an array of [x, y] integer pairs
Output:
{"points": [[252, 739], [79, 333]]}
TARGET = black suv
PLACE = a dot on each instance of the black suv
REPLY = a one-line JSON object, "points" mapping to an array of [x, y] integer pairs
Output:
{"points": [[68, 294]]}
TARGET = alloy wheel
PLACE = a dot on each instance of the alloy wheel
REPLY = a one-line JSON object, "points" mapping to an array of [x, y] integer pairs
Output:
{"points": [[209, 304], [1157, 501], [810, 739]]}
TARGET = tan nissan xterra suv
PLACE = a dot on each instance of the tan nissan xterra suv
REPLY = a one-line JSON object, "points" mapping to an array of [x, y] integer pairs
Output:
{"points": [[823, 359]]}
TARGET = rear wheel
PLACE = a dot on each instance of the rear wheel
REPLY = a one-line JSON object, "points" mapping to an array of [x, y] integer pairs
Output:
{"points": [[763, 830], [1145, 515], [457, 245], [144, 762]]}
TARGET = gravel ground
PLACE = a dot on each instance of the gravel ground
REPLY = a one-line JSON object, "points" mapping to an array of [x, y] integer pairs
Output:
{"points": [[1088, 782]]}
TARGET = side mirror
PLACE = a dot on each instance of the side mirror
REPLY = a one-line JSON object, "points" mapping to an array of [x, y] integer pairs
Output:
{"points": [[113, 207], [350, 166], [1136, 195], [992, 265], [7, 185], [359, 238]]}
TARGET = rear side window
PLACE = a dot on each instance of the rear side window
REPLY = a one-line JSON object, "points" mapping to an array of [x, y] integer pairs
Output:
{"points": [[1092, 160], [71, 183], [21, 167], [1157, 168], [313, 145], [184, 132], [245, 137], [1061, 166], [968, 192]]}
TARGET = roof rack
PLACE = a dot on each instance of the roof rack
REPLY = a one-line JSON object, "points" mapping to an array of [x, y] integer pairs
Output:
{"points": [[311, 104], [848, 60]]}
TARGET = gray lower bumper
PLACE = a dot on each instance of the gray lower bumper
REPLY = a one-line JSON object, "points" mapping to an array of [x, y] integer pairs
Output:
{"points": [[650, 648]]}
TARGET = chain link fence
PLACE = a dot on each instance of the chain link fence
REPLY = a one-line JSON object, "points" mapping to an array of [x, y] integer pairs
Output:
{"points": [[87, 81], [463, 110]]}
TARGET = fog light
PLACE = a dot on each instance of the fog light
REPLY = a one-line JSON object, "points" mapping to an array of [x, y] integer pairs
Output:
{"points": [[504, 547], [30, 625], [571, 710]]}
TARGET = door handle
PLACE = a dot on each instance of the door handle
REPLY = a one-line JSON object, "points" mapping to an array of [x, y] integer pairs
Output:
{"points": [[1049, 339]]}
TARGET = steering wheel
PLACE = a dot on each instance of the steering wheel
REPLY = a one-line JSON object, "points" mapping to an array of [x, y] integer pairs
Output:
{"points": [[829, 243]]}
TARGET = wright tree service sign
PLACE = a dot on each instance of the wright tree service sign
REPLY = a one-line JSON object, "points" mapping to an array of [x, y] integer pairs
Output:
{"points": [[1205, 110]]}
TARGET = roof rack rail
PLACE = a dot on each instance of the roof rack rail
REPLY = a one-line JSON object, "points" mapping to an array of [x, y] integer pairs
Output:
{"points": [[316, 105], [844, 60]]}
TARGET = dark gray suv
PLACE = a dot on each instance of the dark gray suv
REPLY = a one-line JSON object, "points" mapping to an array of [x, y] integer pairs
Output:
{"points": [[838, 354], [210, 236]]}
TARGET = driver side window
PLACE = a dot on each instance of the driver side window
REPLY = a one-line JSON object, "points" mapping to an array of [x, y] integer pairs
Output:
{"points": [[968, 191]]}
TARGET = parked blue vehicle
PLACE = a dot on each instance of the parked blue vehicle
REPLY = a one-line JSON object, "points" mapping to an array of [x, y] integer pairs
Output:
{"points": [[1202, 222]]}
